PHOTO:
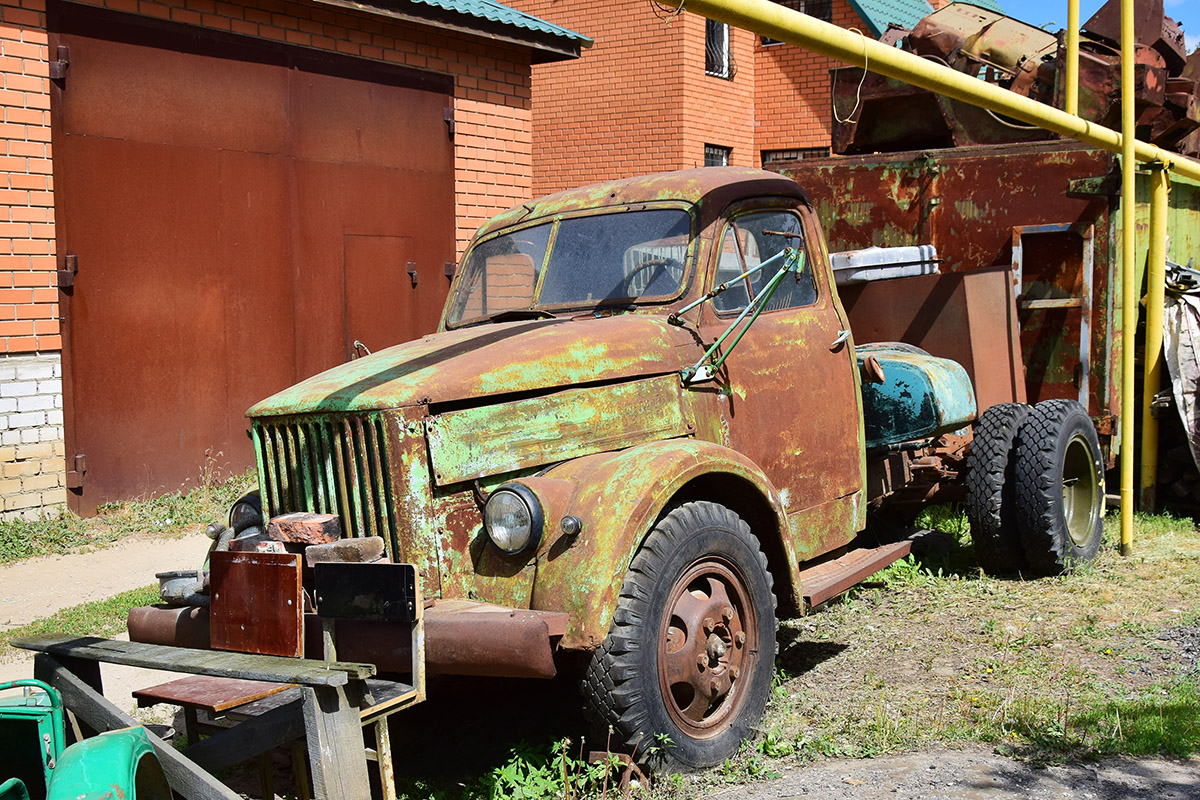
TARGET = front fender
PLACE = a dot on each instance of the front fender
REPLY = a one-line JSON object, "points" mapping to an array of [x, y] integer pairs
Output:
{"points": [[619, 496], [117, 764]]}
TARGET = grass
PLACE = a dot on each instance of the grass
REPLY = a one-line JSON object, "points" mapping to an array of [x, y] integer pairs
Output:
{"points": [[97, 618], [170, 514], [1050, 669]]}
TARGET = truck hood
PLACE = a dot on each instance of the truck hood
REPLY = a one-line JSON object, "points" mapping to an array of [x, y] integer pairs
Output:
{"points": [[487, 360]]}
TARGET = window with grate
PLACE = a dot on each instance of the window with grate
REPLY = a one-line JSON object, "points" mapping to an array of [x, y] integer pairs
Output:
{"points": [[716, 156], [795, 154], [717, 60], [818, 9]]}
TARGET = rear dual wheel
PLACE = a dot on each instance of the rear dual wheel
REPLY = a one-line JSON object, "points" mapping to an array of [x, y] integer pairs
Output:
{"points": [[1035, 488]]}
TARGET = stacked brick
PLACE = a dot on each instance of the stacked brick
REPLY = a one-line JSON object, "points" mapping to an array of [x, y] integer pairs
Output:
{"points": [[493, 159]]}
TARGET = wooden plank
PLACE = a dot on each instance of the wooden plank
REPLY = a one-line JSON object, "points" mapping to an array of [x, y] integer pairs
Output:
{"points": [[275, 669], [335, 744], [207, 693], [367, 591], [256, 603], [184, 776], [251, 738]]}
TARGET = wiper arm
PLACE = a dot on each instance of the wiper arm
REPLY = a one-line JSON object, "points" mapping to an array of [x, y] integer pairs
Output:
{"points": [[677, 319], [701, 371]]}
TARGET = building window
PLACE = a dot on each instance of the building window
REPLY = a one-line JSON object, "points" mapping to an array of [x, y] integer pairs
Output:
{"points": [[717, 60], [795, 154], [818, 9], [716, 156]]}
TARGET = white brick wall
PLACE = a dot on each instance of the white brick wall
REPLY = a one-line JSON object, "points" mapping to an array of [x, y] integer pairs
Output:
{"points": [[32, 462]]}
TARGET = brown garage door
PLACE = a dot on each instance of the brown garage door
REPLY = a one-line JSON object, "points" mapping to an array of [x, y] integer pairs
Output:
{"points": [[239, 213]]}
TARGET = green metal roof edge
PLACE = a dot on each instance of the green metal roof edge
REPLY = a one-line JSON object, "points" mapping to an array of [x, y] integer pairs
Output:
{"points": [[505, 15], [870, 12]]}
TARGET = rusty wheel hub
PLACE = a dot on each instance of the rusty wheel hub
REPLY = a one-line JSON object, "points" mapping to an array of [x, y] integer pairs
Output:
{"points": [[710, 642]]}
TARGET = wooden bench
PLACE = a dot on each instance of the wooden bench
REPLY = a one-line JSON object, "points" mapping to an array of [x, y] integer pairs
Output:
{"points": [[325, 712]]}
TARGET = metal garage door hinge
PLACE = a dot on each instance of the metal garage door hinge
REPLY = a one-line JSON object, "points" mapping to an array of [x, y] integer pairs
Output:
{"points": [[412, 271], [448, 118], [66, 276], [75, 476], [58, 67]]}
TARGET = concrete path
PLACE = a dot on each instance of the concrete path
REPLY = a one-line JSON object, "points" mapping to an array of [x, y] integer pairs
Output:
{"points": [[39, 587]]}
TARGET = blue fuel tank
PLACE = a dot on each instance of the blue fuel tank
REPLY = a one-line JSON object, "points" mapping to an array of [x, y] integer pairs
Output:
{"points": [[922, 396]]}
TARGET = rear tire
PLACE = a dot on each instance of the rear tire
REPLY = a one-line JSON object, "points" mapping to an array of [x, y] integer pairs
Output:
{"points": [[1059, 487], [685, 671], [991, 500]]}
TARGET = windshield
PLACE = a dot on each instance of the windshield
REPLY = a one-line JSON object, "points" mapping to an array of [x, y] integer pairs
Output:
{"points": [[625, 257]]}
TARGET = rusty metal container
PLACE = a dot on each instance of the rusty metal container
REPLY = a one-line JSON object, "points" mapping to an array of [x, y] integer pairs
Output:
{"points": [[1047, 212]]}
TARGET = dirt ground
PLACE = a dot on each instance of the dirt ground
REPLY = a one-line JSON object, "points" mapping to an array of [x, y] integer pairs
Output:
{"points": [[977, 774], [38, 587]]}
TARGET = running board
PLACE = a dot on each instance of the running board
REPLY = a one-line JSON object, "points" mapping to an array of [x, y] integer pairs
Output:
{"points": [[829, 579]]}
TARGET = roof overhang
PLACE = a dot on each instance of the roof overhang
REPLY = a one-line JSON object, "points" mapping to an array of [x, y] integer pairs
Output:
{"points": [[544, 46]]}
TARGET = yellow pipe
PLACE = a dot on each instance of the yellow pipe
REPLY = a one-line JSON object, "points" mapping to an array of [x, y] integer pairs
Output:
{"points": [[1156, 289], [771, 19], [1071, 103], [1129, 292]]}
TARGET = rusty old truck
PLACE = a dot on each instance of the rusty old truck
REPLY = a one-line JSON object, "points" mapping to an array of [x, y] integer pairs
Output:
{"points": [[644, 432]]}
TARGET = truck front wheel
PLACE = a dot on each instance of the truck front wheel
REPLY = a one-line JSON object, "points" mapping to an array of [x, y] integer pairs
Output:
{"points": [[1059, 486], [685, 671]]}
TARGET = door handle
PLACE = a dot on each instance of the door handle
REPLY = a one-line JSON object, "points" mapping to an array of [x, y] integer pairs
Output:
{"points": [[841, 337]]}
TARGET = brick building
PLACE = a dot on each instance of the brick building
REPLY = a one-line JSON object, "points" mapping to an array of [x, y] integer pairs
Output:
{"points": [[660, 91], [203, 201]]}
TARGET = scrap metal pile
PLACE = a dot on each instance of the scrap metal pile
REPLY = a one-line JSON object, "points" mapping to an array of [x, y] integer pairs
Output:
{"points": [[886, 115]]}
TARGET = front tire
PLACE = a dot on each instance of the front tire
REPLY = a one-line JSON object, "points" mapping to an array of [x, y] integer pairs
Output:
{"points": [[685, 671], [1060, 487]]}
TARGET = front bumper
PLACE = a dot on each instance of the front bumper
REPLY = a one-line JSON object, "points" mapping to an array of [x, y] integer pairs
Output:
{"points": [[462, 637]]}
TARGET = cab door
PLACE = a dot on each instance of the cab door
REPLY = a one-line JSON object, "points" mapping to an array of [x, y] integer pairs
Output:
{"points": [[788, 392]]}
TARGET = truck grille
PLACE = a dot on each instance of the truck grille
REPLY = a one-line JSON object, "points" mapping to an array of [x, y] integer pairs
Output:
{"points": [[328, 465]]}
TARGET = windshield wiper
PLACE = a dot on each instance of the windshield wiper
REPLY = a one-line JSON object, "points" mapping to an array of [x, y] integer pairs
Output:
{"points": [[710, 363]]}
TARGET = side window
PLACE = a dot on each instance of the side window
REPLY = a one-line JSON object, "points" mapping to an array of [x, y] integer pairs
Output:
{"points": [[752, 239]]}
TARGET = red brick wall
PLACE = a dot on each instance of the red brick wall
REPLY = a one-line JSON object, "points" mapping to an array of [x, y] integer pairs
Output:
{"points": [[28, 299], [638, 100], [493, 143], [793, 91]]}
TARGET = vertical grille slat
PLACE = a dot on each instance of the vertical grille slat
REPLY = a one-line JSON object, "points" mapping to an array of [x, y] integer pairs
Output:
{"points": [[330, 481], [333, 465]]}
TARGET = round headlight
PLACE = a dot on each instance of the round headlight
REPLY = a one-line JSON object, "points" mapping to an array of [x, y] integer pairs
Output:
{"points": [[247, 511], [513, 518]]}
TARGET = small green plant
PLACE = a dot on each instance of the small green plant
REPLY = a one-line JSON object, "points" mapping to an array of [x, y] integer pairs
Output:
{"points": [[537, 773]]}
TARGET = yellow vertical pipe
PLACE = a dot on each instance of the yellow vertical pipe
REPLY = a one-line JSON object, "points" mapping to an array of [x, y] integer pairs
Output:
{"points": [[1071, 104], [1156, 290], [1129, 292]]}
